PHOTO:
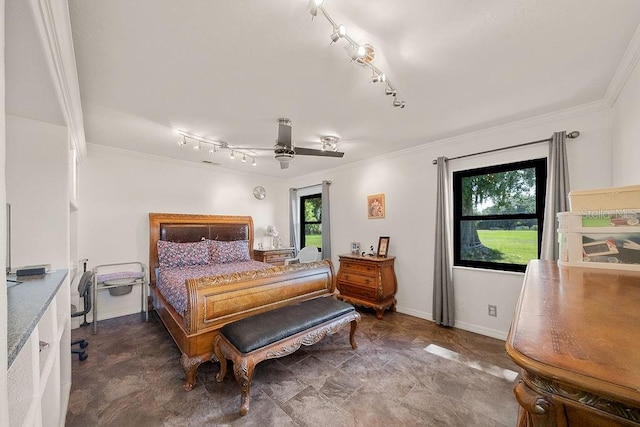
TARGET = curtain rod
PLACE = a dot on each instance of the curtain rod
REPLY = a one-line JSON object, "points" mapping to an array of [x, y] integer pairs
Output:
{"points": [[314, 185], [571, 135]]}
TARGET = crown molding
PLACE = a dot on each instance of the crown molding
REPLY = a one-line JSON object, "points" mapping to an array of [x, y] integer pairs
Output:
{"points": [[624, 70], [54, 28]]}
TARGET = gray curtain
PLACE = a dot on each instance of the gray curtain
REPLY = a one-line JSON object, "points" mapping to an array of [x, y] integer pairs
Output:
{"points": [[443, 302], [326, 221], [557, 193], [293, 219]]}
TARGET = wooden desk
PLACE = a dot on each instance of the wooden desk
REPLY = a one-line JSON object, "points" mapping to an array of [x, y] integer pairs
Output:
{"points": [[576, 336], [368, 281]]}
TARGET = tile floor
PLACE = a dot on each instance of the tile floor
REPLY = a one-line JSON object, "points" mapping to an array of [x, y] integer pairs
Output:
{"points": [[405, 372]]}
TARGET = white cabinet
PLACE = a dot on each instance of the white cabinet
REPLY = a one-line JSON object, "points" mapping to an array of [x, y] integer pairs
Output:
{"points": [[39, 375]]}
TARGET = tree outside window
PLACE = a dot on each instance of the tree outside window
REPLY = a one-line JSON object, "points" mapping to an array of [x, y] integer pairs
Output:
{"points": [[311, 220], [498, 215]]}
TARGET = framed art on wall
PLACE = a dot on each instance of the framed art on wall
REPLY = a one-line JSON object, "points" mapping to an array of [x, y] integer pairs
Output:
{"points": [[375, 206], [383, 246]]}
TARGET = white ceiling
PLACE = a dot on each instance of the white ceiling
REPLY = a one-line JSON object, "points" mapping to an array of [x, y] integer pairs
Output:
{"points": [[229, 69]]}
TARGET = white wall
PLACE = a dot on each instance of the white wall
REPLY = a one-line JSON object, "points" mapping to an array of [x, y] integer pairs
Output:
{"points": [[4, 401], [37, 157], [626, 133], [118, 189], [408, 180]]}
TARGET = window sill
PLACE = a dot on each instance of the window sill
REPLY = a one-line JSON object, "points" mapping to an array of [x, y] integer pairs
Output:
{"points": [[488, 270]]}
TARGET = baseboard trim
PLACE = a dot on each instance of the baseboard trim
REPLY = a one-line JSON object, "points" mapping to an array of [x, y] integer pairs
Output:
{"points": [[482, 330]]}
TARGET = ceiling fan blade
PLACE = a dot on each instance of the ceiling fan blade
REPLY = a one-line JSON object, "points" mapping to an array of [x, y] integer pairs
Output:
{"points": [[313, 152], [284, 134]]}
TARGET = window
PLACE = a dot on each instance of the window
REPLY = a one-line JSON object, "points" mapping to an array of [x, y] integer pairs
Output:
{"points": [[311, 220], [498, 215]]}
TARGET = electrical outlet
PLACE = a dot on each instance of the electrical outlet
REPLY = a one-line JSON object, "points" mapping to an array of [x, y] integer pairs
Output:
{"points": [[493, 310]]}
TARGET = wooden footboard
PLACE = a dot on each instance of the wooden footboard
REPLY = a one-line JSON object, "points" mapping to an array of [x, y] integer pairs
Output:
{"points": [[215, 301]]}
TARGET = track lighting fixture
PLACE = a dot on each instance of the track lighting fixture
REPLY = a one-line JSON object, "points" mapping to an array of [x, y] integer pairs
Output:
{"points": [[362, 54], [397, 103], [214, 145], [377, 78]]}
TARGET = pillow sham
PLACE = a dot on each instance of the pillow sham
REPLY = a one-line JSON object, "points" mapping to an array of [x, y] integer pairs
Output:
{"points": [[172, 255], [221, 252]]}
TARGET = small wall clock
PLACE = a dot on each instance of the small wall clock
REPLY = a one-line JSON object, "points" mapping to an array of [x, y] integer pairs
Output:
{"points": [[259, 192]]}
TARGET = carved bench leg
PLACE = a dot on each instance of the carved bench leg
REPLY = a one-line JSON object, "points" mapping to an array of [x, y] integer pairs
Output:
{"points": [[221, 358], [352, 333], [243, 371]]}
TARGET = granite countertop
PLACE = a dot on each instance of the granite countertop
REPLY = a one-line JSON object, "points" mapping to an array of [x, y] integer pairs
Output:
{"points": [[26, 303]]}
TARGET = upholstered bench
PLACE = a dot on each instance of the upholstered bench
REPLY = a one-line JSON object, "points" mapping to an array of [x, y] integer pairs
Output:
{"points": [[277, 333]]}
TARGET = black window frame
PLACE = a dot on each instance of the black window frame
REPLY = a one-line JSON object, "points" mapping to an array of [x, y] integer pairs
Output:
{"points": [[540, 166], [303, 221]]}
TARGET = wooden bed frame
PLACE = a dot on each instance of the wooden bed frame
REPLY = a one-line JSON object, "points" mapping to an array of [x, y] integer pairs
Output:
{"points": [[215, 301]]}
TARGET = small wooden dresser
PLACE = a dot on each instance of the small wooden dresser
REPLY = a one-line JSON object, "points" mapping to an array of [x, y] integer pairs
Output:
{"points": [[273, 256], [368, 281]]}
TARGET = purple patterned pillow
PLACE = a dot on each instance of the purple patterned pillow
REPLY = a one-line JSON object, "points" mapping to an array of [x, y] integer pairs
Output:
{"points": [[173, 255], [224, 252]]}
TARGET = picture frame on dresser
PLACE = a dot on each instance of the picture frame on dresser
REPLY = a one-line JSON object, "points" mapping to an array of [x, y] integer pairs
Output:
{"points": [[383, 246]]}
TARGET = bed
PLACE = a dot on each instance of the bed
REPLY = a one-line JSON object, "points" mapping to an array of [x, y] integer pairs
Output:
{"points": [[205, 296]]}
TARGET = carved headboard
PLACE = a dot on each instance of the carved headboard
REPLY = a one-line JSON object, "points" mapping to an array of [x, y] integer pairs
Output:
{"points": [[193, 228]]}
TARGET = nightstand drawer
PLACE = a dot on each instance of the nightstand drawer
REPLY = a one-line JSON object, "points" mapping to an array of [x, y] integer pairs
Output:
{"points": [[349, 289], [276, 257], [273, 256], [359, 268]]}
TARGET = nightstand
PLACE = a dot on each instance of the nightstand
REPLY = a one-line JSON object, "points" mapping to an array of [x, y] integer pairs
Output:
{"points": [[273, 256], [368, 281]]}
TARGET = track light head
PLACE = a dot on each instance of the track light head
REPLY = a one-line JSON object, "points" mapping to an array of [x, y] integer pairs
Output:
{"points": [[244, 158], [198, 146], [182, 141], [378, 78], [232, 156], [253, 163], [397, 103], [389, 91]]}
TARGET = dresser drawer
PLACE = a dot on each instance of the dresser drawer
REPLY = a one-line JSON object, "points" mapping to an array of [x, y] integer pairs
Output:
{"points": [[357, 279], [359, 267], [348, 289]]}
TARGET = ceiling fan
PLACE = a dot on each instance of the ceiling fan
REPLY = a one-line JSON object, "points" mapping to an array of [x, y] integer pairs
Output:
{"points": [[284, 150]]}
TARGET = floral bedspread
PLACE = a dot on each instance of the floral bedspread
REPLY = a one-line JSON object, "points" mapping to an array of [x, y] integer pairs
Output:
{"points": [[171, 282]]}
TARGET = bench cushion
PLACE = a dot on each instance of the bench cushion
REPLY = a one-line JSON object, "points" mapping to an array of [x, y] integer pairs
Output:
{"points": [[257, 331]]}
